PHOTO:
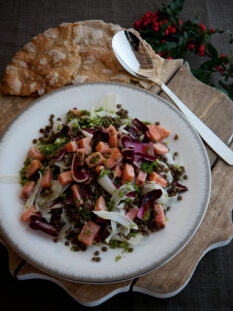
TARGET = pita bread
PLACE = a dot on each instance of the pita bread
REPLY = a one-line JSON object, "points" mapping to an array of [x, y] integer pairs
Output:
{"points": [[68, 54]]}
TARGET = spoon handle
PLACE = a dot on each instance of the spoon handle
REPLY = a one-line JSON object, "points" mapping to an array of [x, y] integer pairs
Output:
{"points": [[208, 136]]}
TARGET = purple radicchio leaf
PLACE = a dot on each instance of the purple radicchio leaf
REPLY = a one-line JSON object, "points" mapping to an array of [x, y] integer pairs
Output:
{"points": [[79, 174], [144, 148], [181, 187], [142, 127], [134, 132], [37, 222], [151, 196], [61, 154], [131, 195], [130, 154]]}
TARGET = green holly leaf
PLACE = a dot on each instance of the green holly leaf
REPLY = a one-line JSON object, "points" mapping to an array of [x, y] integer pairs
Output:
{"points": [[202, 75], [173, 8], [212, 51], [210, 64]]}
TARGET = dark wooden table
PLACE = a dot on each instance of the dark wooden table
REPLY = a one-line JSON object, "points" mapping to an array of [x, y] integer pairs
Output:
{"points": [[211, 286]]}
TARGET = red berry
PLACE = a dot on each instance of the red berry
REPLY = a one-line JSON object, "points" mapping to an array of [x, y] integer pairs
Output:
{"points": [[201, 50], [167, 32], [222, 55], [220, 69], [202, 47], [160, 54], [173, 30], [155, 28], [169, 27], [137, 25], [169, 57], [212, 30], [191, 46], [180, 22], [163, 41], [202, 27]]}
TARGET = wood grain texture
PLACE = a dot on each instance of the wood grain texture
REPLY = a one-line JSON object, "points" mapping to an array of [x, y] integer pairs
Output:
{"points": [[213, 107], [10, 108], [169, 69], [216, 227]]}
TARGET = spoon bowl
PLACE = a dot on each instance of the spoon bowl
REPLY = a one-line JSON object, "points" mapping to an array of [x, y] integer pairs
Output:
{"points": [[133, 55]]}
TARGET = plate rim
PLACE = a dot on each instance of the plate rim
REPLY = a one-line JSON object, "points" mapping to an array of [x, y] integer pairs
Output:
{"points": [[206, 199]]}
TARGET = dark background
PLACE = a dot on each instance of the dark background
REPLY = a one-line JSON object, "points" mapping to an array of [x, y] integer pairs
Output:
{"points": [[211, 286]]}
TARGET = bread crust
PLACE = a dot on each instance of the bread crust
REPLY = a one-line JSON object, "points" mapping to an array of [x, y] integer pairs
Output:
{"points": [[71, 53]]}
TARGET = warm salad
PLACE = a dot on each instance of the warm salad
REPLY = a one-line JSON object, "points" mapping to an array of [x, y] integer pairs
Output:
{"points": [[100, 177]]}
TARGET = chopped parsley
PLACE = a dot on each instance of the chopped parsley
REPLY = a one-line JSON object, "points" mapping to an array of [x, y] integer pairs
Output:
{"points": [[133, 234], [149, 167], [110, 205], [128, 200], [48, 149], [63, 195], [84, 212], [87, 232], [22, 172], [61, 141], [118, 258], [177, 167], [104, 172], [146, 216], [74, 248], [118, 244]]}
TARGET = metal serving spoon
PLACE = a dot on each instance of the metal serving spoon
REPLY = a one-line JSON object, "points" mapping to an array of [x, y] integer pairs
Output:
{"points": [[134, 56]]}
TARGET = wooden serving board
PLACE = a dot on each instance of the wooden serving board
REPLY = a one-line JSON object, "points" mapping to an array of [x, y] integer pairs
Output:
{"points": [[216, 110]]}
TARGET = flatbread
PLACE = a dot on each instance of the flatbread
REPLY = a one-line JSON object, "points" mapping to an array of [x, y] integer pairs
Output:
{"points": [[68, 54]]}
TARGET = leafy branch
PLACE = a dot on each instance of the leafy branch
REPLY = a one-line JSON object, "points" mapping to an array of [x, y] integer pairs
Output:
{"points": [[170, 37]]}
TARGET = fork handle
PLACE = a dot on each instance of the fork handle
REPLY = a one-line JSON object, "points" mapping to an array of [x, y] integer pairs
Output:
{"points": [[215, 143]]}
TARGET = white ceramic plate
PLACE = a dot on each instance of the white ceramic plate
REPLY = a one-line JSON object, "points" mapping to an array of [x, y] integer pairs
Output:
{"points": [[55, 258]]}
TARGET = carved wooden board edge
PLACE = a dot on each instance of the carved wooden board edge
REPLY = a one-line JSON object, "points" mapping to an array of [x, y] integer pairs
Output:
{"points": [[140, 289], [171, 278], [208, 103], [23, 275]]}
